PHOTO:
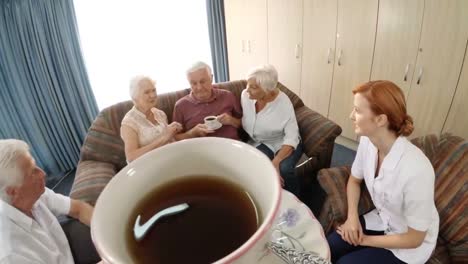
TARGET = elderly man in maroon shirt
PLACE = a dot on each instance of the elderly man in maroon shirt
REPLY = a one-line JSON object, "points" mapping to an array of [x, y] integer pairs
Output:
{"points": [[205, 100]]}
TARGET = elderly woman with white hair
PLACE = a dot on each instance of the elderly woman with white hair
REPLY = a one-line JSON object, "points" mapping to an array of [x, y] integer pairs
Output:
{"points": [[270, 121], [145, 127]]}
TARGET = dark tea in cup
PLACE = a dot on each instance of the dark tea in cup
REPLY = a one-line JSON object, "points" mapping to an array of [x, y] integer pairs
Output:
{"points": [[220, 218]]}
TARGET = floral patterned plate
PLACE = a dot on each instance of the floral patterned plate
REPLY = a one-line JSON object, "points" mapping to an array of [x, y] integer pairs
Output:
{"points": [[297, 236]]}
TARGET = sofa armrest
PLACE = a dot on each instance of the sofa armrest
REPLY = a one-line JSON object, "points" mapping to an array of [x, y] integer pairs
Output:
{"points": [[334, 212], [90, 179], [318, 135]]}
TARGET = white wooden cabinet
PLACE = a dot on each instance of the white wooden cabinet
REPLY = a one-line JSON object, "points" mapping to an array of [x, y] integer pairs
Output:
{"points": [[355, 38], [246, 27], [439, 61], [457, 119], [319, 36], [397, 41], [285, 41]]}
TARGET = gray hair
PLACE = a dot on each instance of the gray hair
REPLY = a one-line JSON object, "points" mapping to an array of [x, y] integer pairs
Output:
{"points": [[265, 76], [10, 175], [198, 66], [135, 85]]}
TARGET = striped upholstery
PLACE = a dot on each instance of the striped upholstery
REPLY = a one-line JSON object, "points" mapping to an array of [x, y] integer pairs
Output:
{"points": [[102, 153], [451, 195], [333, 181], [449, 156], [91, 178], [318, 135], [440, 254]]}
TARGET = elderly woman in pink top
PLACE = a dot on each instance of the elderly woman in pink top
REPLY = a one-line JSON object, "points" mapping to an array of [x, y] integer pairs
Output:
{"points": [[145, 127]]}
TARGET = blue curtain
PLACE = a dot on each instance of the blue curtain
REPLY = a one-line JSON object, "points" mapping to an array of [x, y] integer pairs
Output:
{"points": [[45, 95], [217, 30]]}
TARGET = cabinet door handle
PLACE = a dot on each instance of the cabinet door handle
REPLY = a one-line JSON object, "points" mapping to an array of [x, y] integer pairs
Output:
{"points": [[420, 76], [297, 51], [243, 45], [328, 56], [405, 78], [248, 45], [339, 57]]}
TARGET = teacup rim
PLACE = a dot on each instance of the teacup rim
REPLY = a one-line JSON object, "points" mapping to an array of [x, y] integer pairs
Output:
{"points": [[239, 252], [265, 227]]}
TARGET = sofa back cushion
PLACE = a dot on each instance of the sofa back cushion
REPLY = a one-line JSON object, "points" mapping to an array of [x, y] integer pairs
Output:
{"points": [[451, 191], [103, 142], [449, 156], [236, 88], [333, 181], [167, 101]]}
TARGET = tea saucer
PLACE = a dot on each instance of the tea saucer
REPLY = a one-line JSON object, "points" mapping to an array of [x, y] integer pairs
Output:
{"points": [[216, 127], [296, 230]]}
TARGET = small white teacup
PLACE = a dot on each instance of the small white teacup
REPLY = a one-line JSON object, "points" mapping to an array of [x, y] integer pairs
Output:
{"points": [[212, 122]]}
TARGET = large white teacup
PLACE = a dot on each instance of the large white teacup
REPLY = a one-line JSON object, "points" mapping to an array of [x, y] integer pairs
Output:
{"points": [[233, 160]]}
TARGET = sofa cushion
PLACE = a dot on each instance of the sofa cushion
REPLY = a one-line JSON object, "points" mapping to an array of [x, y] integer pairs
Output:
{"points": [[103, 142], [235, 87], [440, 254], [459, 253], [167, 101], [317, 131], [333, 181], [451, 190], [428, 144], [295, 100], [91, 178]]}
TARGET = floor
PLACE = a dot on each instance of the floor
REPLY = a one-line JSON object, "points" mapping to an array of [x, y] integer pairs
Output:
{"points": [[313, 196], [342, 156], [63, 184]]}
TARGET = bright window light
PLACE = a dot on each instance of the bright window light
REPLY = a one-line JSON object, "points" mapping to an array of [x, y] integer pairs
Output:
{"points": [[158, 38]]}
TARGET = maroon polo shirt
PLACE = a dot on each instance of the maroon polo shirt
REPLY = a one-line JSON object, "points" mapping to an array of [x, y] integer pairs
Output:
{"points": [[189, 111]]}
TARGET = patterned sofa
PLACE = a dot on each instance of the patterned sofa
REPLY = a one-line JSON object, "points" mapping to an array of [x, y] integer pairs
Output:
{"points": [[449, 156], [102, 154]]}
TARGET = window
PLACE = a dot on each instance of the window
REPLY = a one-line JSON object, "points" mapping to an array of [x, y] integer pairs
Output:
{"points": [[121, 39]]}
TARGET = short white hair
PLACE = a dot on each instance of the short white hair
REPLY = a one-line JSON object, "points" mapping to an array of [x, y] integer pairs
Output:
{"points": [[10, 174], [265, 76], [198, 66], [135, 85]]}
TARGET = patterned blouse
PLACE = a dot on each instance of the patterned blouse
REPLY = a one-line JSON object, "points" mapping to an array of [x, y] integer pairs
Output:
{"points": [[146, 130]]}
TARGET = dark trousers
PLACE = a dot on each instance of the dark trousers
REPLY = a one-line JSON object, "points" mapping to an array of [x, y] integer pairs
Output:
{"points": [[342, 252], [79, 238], [287, 167]]}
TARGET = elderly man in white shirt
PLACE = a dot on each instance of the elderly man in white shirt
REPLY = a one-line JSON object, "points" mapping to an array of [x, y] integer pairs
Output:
{"points": [[29, 229], [404, 225], [270, 121]]}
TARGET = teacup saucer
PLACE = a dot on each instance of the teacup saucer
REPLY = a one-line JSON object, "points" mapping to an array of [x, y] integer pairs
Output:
{"points": [[216, 127], [296, 229]]}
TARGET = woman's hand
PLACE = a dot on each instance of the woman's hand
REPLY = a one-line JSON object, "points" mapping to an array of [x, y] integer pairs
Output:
{"points": [[227, 119], [174, 127], [351, 231], [200, 130], [224, 119], [171, 130]]}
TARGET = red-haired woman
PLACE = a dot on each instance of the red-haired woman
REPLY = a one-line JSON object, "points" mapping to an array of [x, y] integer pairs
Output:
{"points": [[404, 225]]}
